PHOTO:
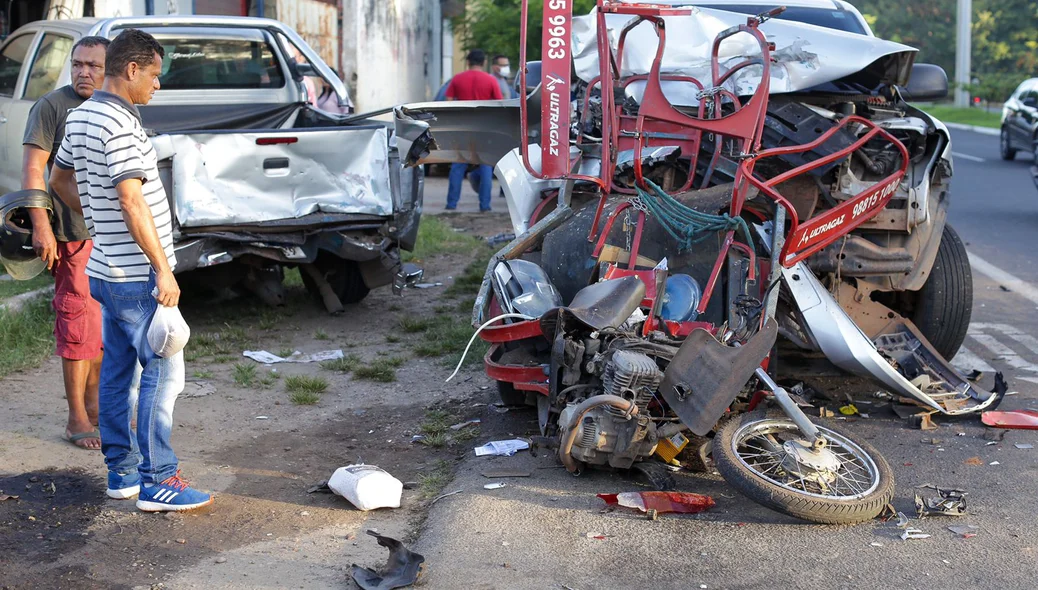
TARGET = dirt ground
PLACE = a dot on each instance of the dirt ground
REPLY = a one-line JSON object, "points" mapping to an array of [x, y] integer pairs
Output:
{"points": [[251, 445]]}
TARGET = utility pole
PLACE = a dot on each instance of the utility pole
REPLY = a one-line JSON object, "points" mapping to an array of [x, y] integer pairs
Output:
{"points": [[963, 37]]}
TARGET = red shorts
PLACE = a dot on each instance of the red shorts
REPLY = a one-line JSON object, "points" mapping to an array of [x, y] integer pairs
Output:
{"points": [[77, 330]]}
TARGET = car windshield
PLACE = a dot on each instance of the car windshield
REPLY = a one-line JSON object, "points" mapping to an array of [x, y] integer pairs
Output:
{"points": [[830, 18], [194, 62]]}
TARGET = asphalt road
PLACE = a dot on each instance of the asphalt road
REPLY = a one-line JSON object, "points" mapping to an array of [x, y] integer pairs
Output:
{"points": [[534, 533]]}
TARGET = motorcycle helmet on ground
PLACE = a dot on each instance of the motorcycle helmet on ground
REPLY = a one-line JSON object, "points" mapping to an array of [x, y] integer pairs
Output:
{"points": [[16, 252]]}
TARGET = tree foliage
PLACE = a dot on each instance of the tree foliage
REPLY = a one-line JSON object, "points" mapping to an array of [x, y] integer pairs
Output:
{"points": [[1004, 40], [493, 26]]}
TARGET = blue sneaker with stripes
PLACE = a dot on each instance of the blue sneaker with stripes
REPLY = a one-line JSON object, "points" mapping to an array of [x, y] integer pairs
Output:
{"points": [[172, 495]]}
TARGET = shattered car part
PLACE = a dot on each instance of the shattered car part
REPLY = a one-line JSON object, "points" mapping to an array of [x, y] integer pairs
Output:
{"points": [[911, 533], [402, 567], [661, 502], [949, 502], [1013, 419]]}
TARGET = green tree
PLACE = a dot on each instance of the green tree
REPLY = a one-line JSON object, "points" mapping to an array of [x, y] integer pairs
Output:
{"points": [[493, 26], [929, 26]]}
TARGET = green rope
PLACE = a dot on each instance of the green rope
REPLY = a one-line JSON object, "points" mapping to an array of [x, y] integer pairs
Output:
{"points": [[686, 225]]}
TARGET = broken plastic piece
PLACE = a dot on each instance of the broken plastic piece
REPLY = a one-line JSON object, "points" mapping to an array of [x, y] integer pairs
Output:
{"points": [[661, 502], [502, 448], [496, 473], [1014, 419], [913, 534], [461, 425], [494, 486], [902, 520], [825, 413], [402, 568], [262, 356], [849, 410], [949, 502], [1024, 446], [965, 531], [993, 463]]}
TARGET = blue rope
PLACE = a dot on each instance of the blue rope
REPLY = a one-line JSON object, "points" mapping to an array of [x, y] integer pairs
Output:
{"points": [[686, 225]]}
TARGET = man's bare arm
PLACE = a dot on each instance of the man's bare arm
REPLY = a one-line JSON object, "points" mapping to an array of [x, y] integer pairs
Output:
{"points": [[34, 168], [64, 184], [141, 226]]}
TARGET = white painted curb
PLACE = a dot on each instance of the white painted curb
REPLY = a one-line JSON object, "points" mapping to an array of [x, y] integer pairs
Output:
{"points": [[974, 128], [15, 303]]}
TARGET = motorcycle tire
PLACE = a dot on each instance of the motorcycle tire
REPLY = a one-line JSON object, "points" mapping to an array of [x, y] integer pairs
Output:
{"points": [[944, 305], [865, 505]]}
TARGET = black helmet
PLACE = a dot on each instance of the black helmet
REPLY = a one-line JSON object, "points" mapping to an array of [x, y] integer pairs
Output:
{"points": [[16, 251]]}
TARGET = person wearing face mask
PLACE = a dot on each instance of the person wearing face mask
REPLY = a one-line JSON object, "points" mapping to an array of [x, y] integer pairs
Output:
{"points": [[63, 243], [502, 72]]}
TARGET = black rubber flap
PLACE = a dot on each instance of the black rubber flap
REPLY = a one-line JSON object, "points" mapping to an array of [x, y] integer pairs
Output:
{"points": [[705, 376]]}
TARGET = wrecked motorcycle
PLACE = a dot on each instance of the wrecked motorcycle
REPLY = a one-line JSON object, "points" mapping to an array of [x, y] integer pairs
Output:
{"points": [[685, 217]]}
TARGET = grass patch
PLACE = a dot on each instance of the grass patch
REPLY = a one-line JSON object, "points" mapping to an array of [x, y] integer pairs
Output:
{"points": [[305, 384], [244, 374], [285, 352], [448, 335], [395, 307], [203, 374], [432, 482], [292, 278], [223, 359], [320, 334], [269, 379], [346, 364], [392, 339], [436, 236], [382, 370], [10, 288], [26, 335], [470, 281], [965, 116], [304, 398], [269, 320], [436, 429], [413, 325]]}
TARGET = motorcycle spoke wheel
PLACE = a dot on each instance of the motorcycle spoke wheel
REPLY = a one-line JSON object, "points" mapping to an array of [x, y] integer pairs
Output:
{"points": [[768, 459]]}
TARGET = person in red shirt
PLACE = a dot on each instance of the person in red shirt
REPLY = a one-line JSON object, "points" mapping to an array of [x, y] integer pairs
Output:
{"points": [[472, 84]]}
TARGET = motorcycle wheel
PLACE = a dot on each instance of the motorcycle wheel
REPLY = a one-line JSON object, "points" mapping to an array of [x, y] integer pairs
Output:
{"points": [[848, 482]]}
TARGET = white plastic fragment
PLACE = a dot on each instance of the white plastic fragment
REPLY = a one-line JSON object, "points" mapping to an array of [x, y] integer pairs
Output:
{"points": [[502, 448], [1024, 446], [911, 533], [366, 486], [994, 463], [262, 356], [875, 544], [494, 486]]}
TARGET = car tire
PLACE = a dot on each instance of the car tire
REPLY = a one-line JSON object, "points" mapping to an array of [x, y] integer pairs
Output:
{"points": [[344, 276], [945, 303], [1007, 152]]}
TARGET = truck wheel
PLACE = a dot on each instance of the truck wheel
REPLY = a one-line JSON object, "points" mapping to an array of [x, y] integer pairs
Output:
{"points": [[343, 275], [1005, 151], [945, 303]]}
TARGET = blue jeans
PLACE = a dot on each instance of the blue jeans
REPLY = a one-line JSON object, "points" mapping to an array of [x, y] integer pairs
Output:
{"points": [[126, 312], [457, 175]]}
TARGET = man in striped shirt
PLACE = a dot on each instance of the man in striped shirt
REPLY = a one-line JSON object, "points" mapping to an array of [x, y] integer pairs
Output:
{"points": [[107, 168]]}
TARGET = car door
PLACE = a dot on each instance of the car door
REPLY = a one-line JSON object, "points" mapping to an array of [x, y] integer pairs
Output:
{"points": [[49, 64], [13, 55], [1019, 138], [1029, 119]]}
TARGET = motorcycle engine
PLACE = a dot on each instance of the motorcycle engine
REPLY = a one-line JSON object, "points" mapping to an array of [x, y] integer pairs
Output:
{"points": [[607, 435]]}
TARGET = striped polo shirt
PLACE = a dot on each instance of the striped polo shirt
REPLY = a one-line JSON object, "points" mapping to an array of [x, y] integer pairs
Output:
{"points": [[106, 144]]}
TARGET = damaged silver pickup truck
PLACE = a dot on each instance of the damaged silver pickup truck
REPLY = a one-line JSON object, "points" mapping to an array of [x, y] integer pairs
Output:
{"points": [[257, 177]]}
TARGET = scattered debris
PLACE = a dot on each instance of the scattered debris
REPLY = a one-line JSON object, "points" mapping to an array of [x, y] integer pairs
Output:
{"points": [[1005, 288], [262, 356], [402, 568], [960, 434], [974, 375], [598, 536], [442, 496], [498, 473], [5, 497], [494, 486], [426, 285], [849, 410], [263, 417], [411, 485], [988, 444], [874, 544], [320, 487], [902, 520], [923, 422], [911, 533], [1024, 446], [661, 502], [1014, 419], [949, 502], [461, 425], [502, 448], [931, 441], [993, 463], [197, 389], [975, 461], [503, 238], [366, 486], [825, 413], [965, 531], [883, 396]]}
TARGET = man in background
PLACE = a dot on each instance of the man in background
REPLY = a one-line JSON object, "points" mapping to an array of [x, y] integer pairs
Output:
{"points": [[502, 72], [64, 244], [472, 84]]}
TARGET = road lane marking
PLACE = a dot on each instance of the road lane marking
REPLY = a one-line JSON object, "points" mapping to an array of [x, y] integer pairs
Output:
{"points": [[966, 361], [1018, 286], [967, 157], [1029, 342], [1003, 352]]}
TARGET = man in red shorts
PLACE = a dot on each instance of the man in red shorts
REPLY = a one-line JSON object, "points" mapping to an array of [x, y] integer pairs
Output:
{"points": [[65, 246]]}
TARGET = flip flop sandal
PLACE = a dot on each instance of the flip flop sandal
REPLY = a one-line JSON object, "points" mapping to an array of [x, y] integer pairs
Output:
{"points": [[74, 438]]}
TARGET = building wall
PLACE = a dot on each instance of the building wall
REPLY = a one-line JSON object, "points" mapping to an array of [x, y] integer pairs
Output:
{"points": [[391, 51], [218, 7]]}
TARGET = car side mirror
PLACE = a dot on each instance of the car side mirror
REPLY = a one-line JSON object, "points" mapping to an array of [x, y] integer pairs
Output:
{"points": [[927, 82], [533, 77]]}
